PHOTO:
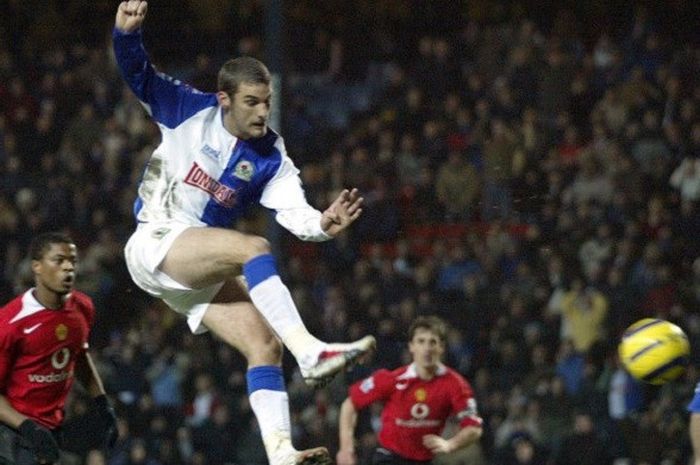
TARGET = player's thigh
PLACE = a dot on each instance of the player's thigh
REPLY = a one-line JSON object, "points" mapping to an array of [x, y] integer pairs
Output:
{"points": [[234, 319], [201, 256], [25, 456]]}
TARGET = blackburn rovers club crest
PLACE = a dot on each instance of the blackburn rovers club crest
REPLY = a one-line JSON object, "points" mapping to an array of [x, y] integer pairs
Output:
{"points": [[61, 332], [244, 170], [421, 395]]}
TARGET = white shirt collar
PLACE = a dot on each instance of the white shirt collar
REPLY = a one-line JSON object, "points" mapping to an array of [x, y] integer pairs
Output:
{"points": [[30, 306], [412, 372], [222, 127]]}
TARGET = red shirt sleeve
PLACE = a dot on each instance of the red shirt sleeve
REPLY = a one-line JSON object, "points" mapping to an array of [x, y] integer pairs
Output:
{"points": [[463, 402], [86, 307], [378, 386], [83, 303], [7, 353]]}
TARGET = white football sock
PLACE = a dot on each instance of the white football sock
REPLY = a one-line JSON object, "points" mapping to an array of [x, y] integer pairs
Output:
{"points": [[274, 301], [272, 412]]}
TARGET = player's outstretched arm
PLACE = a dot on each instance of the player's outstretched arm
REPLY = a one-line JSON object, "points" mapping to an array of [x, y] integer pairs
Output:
{"points": [[344, 210], [168, 101], [130, 15]]}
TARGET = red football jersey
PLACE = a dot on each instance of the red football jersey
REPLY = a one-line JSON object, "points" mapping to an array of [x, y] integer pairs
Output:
{"points": [[38, 351], [415, 407]]}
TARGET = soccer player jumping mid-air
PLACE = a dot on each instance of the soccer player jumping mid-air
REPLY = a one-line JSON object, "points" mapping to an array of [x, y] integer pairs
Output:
{"points": [[217, 158]]}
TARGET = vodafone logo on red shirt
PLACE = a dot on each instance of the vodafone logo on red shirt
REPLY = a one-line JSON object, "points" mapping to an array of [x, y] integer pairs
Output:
{"points": [[59, 360], [51, 377], [420, 411]]}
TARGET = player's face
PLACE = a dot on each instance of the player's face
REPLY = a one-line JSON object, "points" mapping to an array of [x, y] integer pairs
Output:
{"points": [[55, 271], [426, 348], [248, 110]]}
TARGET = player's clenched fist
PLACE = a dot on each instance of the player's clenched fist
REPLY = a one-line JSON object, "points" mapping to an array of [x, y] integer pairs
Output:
{"points": [[130, 15]]}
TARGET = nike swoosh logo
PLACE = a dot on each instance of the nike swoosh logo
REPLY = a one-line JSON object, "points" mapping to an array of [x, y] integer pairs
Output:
{"points": [[31, 328], [401, 386]]}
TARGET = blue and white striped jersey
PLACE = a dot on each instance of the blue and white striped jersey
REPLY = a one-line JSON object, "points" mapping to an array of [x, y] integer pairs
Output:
{"points": [[201, 174]]}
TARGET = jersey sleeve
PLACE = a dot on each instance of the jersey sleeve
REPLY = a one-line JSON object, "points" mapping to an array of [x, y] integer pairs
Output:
{"points": [[463, 403], [694, 405], [284, 194], [87, 308], [85, 305], [378, 386], [7, 353], [167, 100]]}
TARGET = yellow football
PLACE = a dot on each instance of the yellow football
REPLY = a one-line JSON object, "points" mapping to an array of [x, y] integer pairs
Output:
{"points": [[654, 351]]}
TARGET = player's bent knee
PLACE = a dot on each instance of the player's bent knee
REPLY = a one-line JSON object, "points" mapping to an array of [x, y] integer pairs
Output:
{"points": [[265, 351], [257, 245]]}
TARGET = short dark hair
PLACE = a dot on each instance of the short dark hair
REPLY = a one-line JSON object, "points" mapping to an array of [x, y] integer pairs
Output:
{"points": [[239, 70], [431, 323], [42, 243]]}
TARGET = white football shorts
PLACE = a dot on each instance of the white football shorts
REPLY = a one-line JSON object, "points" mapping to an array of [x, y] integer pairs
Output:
{"points": [[144, 251]]}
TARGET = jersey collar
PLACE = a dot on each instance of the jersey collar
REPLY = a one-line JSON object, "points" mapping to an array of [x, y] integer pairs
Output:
{"points": [[30, 306], [411, 372], [223, 132]]}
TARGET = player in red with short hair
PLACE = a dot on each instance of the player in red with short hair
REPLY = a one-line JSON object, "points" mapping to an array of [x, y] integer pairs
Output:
{"points": [[419, 398], [43, 346]]}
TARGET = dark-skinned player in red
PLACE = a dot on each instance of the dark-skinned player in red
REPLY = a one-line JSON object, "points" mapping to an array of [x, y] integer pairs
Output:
{"points": [[43, 348]]}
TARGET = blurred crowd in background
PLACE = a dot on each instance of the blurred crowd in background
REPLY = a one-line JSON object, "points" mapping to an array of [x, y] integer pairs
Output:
{"points": [[532, 177]]}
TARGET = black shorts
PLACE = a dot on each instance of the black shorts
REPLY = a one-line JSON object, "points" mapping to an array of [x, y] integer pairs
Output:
{"points": [[384, 456], [76, 436], [14, 450]]}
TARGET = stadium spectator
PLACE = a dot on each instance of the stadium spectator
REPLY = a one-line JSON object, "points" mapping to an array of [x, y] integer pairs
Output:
{"points": [[686, 178], [457, 187], [583, 445], [499, 151], [584, 310]]}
